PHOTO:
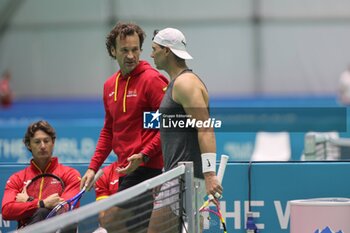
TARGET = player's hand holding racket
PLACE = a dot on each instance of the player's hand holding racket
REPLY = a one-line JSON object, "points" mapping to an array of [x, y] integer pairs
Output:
{"points": [[87, 179], [69, 204], [213, 185], [214, 198]]}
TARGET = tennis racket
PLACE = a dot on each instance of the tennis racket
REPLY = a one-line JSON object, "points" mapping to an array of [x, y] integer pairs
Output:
{"points": [[205, 206], [69, 204], [40, 187], [44, 185]]}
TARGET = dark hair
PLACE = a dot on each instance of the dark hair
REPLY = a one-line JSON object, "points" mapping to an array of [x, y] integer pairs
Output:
{"points": [[40, 125], [155, 32], [123, 29]]}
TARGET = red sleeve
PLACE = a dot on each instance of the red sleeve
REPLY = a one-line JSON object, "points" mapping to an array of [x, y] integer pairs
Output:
{"points": [[101, 188], [104, 144], [71, 179], [155, 91], [12, 210]]}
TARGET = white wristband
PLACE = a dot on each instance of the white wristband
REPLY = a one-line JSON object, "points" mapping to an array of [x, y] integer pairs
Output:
{"points": [[208, 162]]}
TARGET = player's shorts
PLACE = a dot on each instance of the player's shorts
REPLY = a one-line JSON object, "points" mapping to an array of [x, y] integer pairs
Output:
{"points": [[169, 195], [142, 204]]}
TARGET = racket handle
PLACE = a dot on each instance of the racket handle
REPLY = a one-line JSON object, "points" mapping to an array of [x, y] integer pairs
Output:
{"points": [[97, 176], [222, 167]]}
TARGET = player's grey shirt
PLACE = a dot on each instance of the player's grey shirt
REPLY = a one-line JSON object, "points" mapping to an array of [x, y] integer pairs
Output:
{"points": [[178, 144]]}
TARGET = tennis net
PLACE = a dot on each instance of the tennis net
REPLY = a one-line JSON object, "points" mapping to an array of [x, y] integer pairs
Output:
{"points": [[325, 146], [127, 211]]}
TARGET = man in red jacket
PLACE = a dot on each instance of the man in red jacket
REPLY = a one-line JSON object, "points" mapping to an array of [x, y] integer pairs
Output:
{"points": [[17, 204], [136, 88]]}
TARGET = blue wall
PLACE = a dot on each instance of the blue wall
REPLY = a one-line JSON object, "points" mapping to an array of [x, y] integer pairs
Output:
{"points": [[78, 124]]}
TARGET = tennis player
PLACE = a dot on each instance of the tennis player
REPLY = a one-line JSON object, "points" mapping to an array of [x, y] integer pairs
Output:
{"points": [[134, 89], [17, 204], [187, 96]]}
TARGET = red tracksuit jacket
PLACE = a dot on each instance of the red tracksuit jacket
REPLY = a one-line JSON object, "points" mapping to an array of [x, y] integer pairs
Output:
{"points": [[108, 183], [125, 99], [12, 210]]}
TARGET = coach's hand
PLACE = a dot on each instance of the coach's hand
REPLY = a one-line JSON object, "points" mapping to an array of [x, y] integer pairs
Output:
{"points": [[134, 162], [87, 178]]}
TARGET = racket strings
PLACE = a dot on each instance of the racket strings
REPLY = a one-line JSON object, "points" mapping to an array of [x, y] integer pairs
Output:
{"points": [[45, 185], [218, 213], [206, 208]]}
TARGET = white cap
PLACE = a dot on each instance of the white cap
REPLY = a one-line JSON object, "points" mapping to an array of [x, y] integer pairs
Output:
{"points": [[174, 40]]}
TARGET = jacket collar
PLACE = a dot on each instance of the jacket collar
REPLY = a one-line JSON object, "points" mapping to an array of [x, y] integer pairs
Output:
{"points": [[49, 168], [141, 67]]}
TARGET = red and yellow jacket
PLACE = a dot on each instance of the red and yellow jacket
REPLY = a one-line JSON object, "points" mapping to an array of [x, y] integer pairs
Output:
{"points": [[12, 210], [125, 99], [108, 183]]}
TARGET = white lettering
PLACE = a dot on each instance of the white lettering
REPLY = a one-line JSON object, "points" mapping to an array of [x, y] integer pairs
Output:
{"points": [[239, 151], [13, 148], [66, 146], [4, 223], [236, 214], [218, 124], [191, 123], [199, 124], [73, 150], [67, 149], [181, 124], [282, 218], [164, 123], [149, 125], [208, 123], [87, 146]]}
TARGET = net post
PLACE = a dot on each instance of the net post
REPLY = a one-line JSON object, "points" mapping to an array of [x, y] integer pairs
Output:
{"points": [[192, 216], [310, 146]]}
